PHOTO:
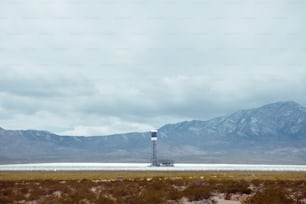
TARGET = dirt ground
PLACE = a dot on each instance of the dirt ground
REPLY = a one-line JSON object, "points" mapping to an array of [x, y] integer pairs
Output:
{"points": [[139, 188]]}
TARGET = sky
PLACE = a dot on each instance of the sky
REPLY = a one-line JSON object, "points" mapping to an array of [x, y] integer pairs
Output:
{"points": [[99, 67]]}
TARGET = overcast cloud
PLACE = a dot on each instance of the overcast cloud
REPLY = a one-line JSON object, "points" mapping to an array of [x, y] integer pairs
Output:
{"points": [[97, 67]]}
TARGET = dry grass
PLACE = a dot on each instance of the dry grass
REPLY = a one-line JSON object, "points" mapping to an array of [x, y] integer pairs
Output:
{"points": [[98, 175], [150, 187]]}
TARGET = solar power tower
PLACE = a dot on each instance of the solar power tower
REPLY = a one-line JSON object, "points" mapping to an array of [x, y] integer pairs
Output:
{"points": [[154, 153]]}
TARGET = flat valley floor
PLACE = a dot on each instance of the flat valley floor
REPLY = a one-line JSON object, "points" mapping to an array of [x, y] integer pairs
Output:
{"points": [[152, 187]]}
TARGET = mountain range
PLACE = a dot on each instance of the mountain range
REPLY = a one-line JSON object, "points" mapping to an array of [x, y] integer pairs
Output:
{"points": [[271, 134]]}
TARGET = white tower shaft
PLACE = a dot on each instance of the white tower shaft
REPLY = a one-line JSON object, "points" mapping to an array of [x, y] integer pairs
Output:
{"points": [[154, 155]]}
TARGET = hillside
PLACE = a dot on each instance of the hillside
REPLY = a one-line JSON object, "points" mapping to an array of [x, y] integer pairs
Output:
{"points": [[274, 133]]}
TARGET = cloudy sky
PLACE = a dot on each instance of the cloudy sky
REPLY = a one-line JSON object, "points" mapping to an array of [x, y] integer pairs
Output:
{"points": [[96, 67]]}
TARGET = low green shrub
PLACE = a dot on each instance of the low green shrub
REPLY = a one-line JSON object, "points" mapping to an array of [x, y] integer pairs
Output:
{"points": [[195, 193], [271, 195]]}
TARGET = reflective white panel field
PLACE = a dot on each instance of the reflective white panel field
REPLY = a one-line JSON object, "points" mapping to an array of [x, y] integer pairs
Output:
{"points": [[146, 167]]}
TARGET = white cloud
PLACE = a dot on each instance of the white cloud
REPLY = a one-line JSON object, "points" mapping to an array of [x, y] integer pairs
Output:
{"points": [[111, 125], [97, 67]]}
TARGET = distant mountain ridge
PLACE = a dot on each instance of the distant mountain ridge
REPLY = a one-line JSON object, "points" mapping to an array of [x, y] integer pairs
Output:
{"points": [[273, 133]]}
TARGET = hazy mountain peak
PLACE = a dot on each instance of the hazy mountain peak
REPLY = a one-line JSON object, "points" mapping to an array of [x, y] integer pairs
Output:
{"points": [[291, 104]]}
